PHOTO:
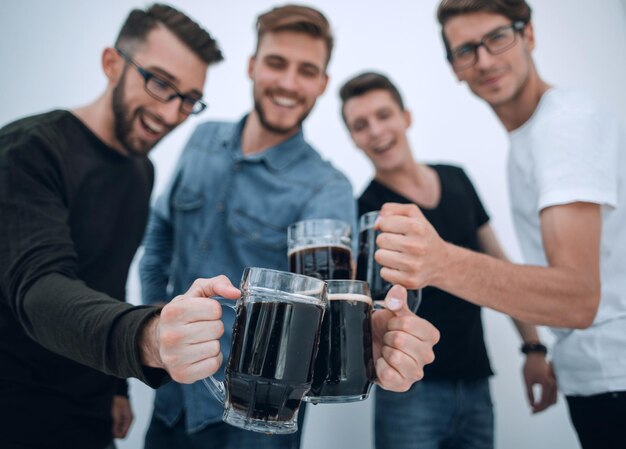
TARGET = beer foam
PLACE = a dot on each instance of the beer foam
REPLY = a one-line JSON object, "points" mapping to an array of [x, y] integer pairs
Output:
{"points": [[349, 297], [325, 247]]}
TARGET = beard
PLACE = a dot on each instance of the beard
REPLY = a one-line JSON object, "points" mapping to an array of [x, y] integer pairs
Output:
{"points": [[265, 123], [123, 122]]}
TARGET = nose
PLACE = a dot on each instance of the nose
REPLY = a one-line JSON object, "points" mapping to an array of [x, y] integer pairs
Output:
{"points": [[170, 111], [484, 59], [375, 128], [289, 79]]}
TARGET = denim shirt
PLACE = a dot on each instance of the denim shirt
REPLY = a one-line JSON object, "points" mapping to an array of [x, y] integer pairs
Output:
{"points": [[221, 212]]}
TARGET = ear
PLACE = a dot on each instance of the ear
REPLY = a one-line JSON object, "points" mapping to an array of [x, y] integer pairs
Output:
{"points": [[112, 64], [529, 36], [324, 83], [408, 118], [251, 62]]}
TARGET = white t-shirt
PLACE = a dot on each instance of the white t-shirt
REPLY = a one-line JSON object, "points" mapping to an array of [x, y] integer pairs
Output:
{"points": [[571, 150]]}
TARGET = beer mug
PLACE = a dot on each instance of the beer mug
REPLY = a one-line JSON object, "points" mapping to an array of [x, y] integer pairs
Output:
{"points": [[368, 270], [344, 366], [320, 248], [275, 339]]}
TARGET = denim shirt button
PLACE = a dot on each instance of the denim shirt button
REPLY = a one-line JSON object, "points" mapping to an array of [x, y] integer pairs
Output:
{"points": [[219, 207], [205, 246]]}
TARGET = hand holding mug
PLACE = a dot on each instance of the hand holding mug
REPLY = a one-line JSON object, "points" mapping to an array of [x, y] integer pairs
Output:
{"points": [[184, 338], [402, 343], [410, 250]]}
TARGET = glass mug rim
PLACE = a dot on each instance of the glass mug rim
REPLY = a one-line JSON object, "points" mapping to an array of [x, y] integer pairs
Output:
{"points": [[315, 292], [368, 219], [318, 232]]}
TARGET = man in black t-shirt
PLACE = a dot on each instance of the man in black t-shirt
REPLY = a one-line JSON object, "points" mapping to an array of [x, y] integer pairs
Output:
{"points": [[455, 387], [74, 193]]}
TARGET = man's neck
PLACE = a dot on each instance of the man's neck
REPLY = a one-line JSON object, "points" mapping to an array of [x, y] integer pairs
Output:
{"points": [[413, 180], [256, 138], [98, 117], [518, 110]]}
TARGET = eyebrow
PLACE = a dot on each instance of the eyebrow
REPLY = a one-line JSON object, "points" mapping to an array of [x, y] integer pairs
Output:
{"points": [[481, 38], [308, 65]]}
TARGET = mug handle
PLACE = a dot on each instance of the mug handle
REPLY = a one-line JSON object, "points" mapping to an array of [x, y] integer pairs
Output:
{"points": [[216, 387]]}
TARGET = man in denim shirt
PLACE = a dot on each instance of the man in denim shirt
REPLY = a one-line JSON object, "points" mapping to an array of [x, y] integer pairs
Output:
{"points": [[237, 188]]}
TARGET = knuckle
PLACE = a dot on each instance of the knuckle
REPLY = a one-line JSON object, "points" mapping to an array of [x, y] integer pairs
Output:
{"points": [[221, 279], [428, 357], [170, 338]]}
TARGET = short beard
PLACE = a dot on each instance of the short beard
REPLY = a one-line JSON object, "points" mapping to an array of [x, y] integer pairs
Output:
{"points": [[122, 122], [275, 129]]}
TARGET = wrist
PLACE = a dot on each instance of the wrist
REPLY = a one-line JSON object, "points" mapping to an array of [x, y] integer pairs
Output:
{"points": [[148, 344], [534, 348]]}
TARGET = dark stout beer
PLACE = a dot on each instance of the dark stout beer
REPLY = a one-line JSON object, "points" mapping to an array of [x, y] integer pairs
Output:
{"points": [[322, 262], [271, 361], [344, 368]]}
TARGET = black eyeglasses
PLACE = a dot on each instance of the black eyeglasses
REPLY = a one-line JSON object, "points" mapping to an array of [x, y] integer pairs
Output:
{"points": [[495, 42], [163, 90]]}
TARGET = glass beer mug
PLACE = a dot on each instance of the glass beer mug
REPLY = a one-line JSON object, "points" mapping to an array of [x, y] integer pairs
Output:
{"points": [[368, 270], [320, 248], [344, 365], [275, 339]]}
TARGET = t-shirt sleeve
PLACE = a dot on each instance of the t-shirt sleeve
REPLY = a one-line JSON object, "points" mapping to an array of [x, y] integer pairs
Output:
{"points": [[480, 212], [576, 157]]}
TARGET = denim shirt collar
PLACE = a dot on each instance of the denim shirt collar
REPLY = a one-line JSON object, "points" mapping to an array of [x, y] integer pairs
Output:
{"points": [[277, 157]]}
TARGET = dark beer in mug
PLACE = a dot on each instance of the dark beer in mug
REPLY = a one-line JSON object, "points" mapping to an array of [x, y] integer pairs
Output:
{"points": [[271, 362], [344, 366], [320, 248], [322, 262]]}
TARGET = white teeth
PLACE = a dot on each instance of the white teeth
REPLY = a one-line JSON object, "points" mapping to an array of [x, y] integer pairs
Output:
{"points": [[383, 147], [284, 101], [152, 125]]}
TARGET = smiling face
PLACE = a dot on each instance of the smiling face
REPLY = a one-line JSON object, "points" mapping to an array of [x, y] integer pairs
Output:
{"points": [[378, 126], [497, 79], [288, 74], [139, 120]]}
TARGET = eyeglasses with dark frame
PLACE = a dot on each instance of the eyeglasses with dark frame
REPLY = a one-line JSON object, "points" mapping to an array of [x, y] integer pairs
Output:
{"points": [[495, 42], [163, 90]]}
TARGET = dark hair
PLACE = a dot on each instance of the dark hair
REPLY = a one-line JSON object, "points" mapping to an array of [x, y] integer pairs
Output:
{"points": [[297, 18], [140, 22], [515, 10], [365, 82]]}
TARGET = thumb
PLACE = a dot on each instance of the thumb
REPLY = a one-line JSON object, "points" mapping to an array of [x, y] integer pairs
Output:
{"points": [[217, 286], [396, 301]]}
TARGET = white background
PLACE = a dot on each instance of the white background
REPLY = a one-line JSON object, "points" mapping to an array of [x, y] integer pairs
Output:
{"points": [[50, 56]]}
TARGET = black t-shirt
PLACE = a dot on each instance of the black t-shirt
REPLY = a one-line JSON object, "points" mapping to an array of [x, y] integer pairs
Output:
{"points": [[460, 353], [73, 214]]}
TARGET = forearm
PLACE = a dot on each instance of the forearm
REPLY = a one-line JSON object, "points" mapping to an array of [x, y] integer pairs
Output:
{"points": [[87, 326], [527, 332], [540, 295]]}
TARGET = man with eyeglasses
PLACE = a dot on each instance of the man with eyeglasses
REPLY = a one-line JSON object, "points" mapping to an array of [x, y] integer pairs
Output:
{"points": [[74, 199], [568, 196]]}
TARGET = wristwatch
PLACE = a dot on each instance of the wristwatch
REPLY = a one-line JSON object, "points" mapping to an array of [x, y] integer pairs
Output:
{"points": [[534, 347]]}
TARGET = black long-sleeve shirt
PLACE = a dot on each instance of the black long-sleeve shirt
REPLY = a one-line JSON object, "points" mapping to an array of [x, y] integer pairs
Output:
{"points": [[72, 214]]}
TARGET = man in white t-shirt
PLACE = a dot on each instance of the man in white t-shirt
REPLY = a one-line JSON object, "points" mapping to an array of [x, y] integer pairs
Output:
{"points": [[568, 194]]}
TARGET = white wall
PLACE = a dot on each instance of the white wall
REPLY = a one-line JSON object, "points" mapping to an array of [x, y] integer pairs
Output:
{"points": [[49, 52]]}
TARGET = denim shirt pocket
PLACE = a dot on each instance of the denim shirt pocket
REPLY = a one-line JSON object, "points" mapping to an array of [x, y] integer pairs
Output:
{"points": [[257, 231], [187, 200]]}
